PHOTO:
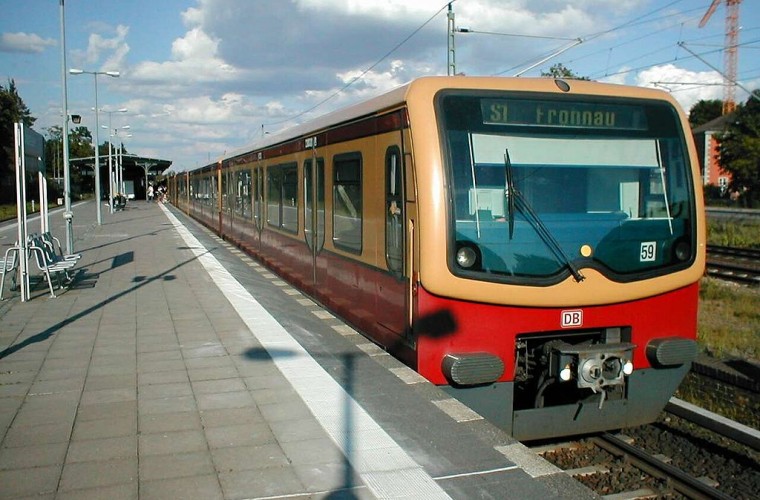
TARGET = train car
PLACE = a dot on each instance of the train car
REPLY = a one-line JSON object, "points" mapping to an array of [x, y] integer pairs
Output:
{"points": [[532, 246]]}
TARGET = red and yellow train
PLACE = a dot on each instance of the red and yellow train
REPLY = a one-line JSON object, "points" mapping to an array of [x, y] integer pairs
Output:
{"points": [[533, 246]]}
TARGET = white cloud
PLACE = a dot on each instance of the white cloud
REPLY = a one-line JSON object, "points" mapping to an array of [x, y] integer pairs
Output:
{"points": [[619, 78], [688, 87], [388, 9], [99, 44], [104, 52], [24, 42], [241, 63], [194, 66], [195, 44]]}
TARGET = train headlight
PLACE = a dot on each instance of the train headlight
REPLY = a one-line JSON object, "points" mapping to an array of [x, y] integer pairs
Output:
{"points": [[682, 251], [627, 367], [467, 257], [566, 373]]}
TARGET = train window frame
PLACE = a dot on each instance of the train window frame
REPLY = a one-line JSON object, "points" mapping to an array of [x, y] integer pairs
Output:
{"points": [[395, 211], [320, 243], [273, 188], [342, 164], [257, 198], [279, 178], [656, 107], [214, 191], [289, 197], [228, 183], [259, 203], [242, 193]]}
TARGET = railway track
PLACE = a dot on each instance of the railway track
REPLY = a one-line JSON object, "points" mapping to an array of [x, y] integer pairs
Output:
{"points": [[659, 468], [672, 458], [735, 264]]}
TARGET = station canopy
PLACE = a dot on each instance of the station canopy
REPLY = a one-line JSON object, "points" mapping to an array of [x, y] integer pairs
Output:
{"points": [[152, 166]]}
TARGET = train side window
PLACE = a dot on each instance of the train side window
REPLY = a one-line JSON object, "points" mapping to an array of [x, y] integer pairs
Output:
{"points": [[228, 184], [274, 188], [394, 210], [242, 193], [213, 191], [347, 202], [309, 204], [258, 197], [289, 198]]}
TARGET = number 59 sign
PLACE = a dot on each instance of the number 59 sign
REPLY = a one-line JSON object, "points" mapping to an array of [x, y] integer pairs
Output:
{"points": [[648, 251]]}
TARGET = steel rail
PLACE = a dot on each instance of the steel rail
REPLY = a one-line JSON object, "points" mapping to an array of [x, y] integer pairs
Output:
{"points": [[749, 253], [740, 433], [677, 479], [733, 272]]}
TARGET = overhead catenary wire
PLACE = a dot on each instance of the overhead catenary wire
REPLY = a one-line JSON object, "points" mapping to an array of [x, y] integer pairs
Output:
{"points": [[628, 42], [731, 80], [629, 70], [637, 21], [591, 36], [370, 68], [640, 20]]}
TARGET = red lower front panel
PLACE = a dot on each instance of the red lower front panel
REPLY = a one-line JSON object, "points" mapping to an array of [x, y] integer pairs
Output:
{"points": [[448, 326]]}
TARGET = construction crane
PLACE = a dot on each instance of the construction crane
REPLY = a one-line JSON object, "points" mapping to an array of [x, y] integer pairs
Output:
{"points": [[730, 52]]}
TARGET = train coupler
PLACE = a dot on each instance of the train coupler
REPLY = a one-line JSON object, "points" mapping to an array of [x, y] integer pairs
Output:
{"points": [[592, 366]]}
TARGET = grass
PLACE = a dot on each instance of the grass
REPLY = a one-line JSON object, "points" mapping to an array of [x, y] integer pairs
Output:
{"points": [[8, 212], [729, 320], [743, 233], [729, 314]]}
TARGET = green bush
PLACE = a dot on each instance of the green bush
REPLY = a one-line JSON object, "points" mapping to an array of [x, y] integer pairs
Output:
{"points": [[741, 233]]}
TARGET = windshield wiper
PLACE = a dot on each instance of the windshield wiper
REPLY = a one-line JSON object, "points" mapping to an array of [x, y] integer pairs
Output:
{"points": [[515, 199], [509, 190]]}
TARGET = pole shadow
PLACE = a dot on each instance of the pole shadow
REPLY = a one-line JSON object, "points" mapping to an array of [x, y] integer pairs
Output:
{"points": [[49, 332]]}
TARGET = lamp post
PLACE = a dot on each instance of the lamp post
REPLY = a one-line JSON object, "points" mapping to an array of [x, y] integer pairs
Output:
{"points": [[114, 74], [117, 161], [122, 186], [110, 165], [68, 215]]}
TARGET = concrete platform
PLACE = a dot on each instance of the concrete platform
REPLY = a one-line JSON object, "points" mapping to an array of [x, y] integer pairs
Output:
{"points": [[177, 367]]}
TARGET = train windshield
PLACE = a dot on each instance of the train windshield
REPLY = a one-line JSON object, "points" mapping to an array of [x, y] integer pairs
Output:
{"points": [[542, 188]]}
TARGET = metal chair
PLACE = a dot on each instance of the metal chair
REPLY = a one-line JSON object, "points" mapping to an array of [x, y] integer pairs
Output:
{"points": [[9, 264], [48, 262]]}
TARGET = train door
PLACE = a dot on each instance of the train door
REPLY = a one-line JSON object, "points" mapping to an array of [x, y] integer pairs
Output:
{"points": [[258, 204], [314, 209], [228, 200], [391, 296], [394, 211]]}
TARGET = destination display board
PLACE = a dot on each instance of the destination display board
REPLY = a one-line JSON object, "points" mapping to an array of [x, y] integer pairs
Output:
{"points": [[563, 114]]}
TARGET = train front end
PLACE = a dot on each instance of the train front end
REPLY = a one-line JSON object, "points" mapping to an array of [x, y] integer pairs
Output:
{"points": [[559, 260]]}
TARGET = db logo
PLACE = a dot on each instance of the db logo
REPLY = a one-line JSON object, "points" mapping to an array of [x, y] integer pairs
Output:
{"points": [[572, 318]]}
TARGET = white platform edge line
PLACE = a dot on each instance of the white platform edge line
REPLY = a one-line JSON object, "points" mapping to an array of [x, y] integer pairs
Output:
{"points": [[303, 371]]}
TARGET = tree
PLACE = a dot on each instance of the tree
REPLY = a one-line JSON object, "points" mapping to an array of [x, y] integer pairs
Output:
{"points": [[705, 111], [740, 150], [54, 161], [559, 70], [80, 146], [12, 110]]}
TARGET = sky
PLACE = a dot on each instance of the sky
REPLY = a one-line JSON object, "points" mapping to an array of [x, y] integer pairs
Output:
{"points": [[199, 78]]}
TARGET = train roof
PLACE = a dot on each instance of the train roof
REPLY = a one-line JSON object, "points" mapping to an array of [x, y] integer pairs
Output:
{"points": [[376, 104], [399, 95]]}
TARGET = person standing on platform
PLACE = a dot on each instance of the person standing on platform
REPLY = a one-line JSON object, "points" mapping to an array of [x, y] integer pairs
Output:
{"points": [[150, 191]]}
